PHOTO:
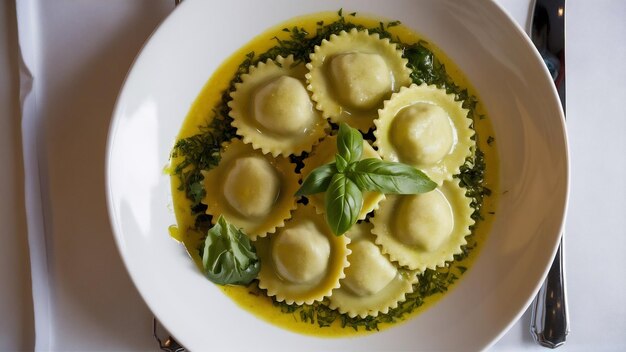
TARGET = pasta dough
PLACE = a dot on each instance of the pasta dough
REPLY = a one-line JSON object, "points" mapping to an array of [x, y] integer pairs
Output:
{"points": [[302, 262], [283, 106], [362, 80], [300, 253], [272, 110], [425, 127], [351, 74], [251, 186], [424, 231], [373, 284], [369, 271], [421, 133], [251, 190], [424, 220]]}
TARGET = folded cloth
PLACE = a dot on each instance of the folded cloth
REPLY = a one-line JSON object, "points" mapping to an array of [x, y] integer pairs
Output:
{"points": [[74, 59]]}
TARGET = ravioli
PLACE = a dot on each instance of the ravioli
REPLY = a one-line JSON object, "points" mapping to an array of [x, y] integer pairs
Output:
{"points": [[303, 261], [272, 110], [423, 231], [251, 190], [425, 127], [324, 153], [352, 73], [373, 284]]}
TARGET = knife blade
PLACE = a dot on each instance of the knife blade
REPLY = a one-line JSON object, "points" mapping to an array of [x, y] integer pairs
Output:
{"points": [[549, 324]]}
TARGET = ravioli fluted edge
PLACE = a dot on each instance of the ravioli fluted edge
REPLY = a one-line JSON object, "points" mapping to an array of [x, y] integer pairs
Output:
{"points": [[321, 81], [394, 144], [302, 262], [272, 109]]}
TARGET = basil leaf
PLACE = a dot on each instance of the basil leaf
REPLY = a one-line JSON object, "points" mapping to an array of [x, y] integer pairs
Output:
{"points": [[318, 180], [344, 201], [229, 257], [349, 143], [341, 163], [389, 177]]}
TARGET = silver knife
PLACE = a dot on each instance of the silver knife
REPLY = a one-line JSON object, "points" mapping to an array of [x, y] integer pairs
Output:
{"points": [[549, 323]]}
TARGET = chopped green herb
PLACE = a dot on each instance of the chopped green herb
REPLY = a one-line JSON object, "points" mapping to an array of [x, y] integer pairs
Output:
{"points": [[472, 178]]}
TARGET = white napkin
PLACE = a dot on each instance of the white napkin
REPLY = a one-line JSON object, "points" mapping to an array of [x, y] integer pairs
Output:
{"points": [[31, 134], [16, 327], [75, 56]]}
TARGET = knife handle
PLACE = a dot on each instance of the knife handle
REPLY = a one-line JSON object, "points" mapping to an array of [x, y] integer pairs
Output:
{"points": [[549, 324]]}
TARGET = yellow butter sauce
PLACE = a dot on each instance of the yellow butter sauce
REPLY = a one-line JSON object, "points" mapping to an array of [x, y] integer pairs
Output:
{"points": [[211, 95]]}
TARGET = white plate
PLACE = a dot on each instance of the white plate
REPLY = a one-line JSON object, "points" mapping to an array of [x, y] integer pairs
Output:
{"points": [[514, 86]]}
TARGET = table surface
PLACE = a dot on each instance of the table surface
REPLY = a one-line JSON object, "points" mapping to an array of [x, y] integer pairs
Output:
{"points": [[85, 49]]}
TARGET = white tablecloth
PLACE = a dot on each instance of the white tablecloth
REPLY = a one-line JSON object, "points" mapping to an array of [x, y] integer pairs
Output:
{"points": [[78, 53]]}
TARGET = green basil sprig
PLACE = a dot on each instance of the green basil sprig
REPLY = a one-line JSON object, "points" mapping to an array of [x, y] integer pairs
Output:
{"points": [[229, 257], [345, 180]]}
